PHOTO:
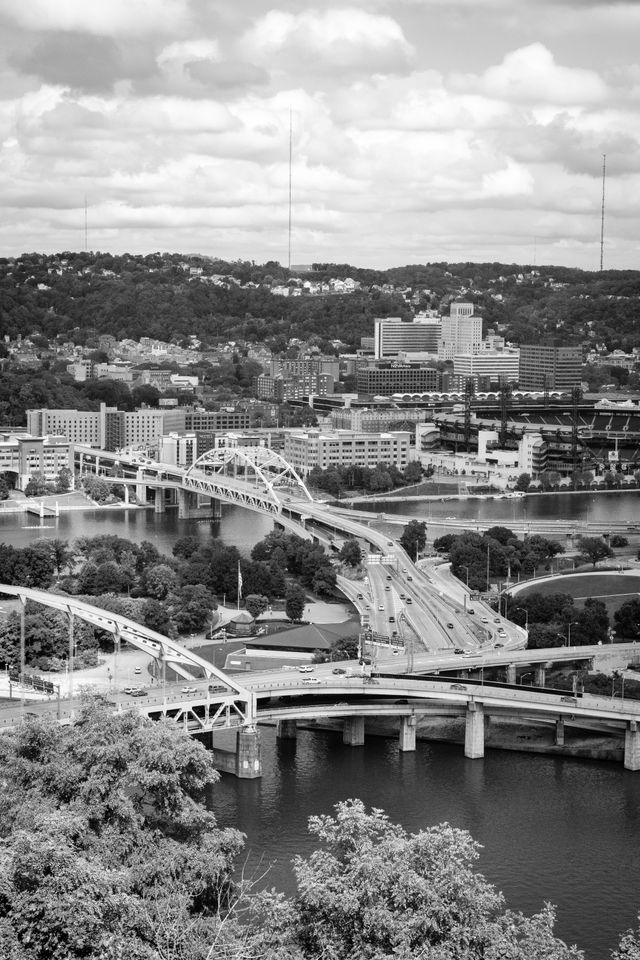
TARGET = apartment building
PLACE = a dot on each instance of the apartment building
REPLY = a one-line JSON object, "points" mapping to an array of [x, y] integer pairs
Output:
{"points": [[500, 366]]}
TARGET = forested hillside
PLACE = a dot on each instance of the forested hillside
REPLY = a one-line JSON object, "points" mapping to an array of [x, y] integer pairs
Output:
{"points": [[171, 296]]}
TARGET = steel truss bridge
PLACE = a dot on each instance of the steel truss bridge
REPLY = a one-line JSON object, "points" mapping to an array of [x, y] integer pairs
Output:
{"points": [[253, 477]]}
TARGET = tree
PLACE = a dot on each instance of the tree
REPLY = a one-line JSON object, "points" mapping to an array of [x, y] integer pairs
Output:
{"points": [[543, 635], [414, 537], [627, 619], [108, 851], [350, 553], [294, 604], [4, 489], [63, 480], [617, 541], [343, 648], [594, 549], [256, 604], [159, 580], [374, 891], [523, 482]]}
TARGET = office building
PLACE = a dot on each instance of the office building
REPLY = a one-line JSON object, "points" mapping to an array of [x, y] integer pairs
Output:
{"points": [[392, 335], [23, 455], [305, 368], [545, 367], [306, 449], [461, 332], [376, 419], [500, 366], [107, 428], [282, 388], [388, 378]]}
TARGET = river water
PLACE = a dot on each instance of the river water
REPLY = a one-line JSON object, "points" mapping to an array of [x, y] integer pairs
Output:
{"points": [[553, 829]]}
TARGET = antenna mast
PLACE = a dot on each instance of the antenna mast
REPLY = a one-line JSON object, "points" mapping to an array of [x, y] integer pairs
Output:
{"points": [[604, 174], [86, 232], [290, 159]]}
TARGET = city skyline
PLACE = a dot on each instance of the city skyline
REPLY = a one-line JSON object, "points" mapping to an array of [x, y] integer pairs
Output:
{"points": [[422, 131]]}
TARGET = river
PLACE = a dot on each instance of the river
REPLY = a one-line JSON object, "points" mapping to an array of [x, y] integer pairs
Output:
{"points": [[563, 830]]}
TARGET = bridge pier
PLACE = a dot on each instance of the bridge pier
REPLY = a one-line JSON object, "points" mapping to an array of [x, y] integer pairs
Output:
{"points": [[187, 504], [511, 673], [474, 731], [541, 676], [286, 730], [141, 493], [158, 500], [216, 508], [559, 738], [632, 746], [407, 739], [353, 731], [125, 487], [248, 754]]}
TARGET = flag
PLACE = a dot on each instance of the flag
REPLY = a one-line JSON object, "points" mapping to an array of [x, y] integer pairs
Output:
{"points": [[239, 581]]}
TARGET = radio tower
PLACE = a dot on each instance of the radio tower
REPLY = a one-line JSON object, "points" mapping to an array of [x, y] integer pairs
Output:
{"points": [[290, 158], [604, 174], [86, 225]]}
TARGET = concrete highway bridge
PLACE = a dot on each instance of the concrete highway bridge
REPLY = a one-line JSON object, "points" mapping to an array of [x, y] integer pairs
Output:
{"points": [[214, 702]]}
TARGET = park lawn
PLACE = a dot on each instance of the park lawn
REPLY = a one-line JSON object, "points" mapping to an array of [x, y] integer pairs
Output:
{"points": [[614, 588]]}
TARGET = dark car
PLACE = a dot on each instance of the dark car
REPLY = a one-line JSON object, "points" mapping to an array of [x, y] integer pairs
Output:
{"points": [[470, 610], [217, 688], [457, 686], [458, 650], [139, 693], [449, 626], [392, 619], [338, 670]]}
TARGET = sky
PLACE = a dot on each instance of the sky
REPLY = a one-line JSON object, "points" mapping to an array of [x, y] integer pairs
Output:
{"points": [[421, 130]]}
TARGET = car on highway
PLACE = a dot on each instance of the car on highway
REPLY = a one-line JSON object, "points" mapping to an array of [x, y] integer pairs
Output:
{"points": [[217, 688], [396, 653], [312, 680], [381, 607], [338, 670], [392, 619], [402, 596], [306, 668], [388, 576], [458, 650], [387, 587], [484, 620], [404, 570], [409, 577], [138, 670], [497, 620], [499, 646], [502, 632], [471, 653], [408, 600], [359, 596], [572, 700], [139, 692], [189, 690], [457, 686], [470, 610], [450, 626], [128, 690]]}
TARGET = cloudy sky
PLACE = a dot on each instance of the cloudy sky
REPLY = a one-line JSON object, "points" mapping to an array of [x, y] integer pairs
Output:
{"points": [[422, 129]]}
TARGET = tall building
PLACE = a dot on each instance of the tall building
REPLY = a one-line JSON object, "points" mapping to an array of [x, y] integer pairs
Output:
{"points": [[305, 368], [388, 378], [107, 428], [392, 335], [461, 332], [549, 367]]}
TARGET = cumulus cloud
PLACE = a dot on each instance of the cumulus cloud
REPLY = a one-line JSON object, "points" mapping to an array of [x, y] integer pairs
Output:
{"points": [[78, 60], [347, 39], [531, 75]]}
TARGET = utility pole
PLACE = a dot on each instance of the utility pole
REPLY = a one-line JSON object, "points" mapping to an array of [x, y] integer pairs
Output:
{"points": [[290, 165]]}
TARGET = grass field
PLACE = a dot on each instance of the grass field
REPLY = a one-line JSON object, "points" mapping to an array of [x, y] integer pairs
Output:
{"points": [[613, 588]]}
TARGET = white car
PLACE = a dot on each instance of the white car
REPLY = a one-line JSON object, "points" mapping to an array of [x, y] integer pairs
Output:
{"points": [[484, 620], [312, 680], [189, 690], [305, 669]]}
